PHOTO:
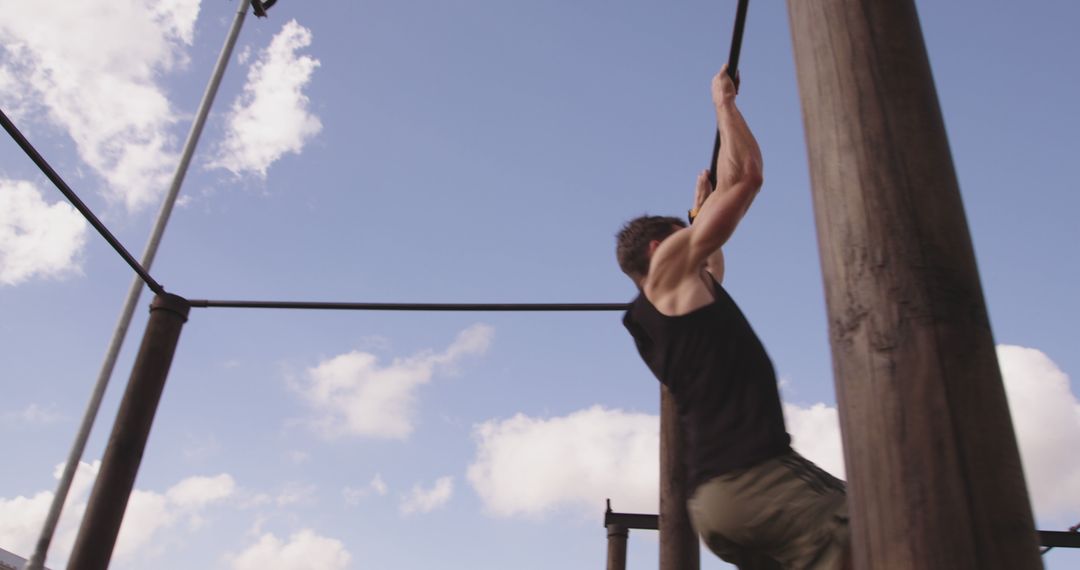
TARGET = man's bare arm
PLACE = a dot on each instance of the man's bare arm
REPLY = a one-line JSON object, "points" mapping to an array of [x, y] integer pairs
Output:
{"points": [[714, 263], [674, 269], [738, 176]]}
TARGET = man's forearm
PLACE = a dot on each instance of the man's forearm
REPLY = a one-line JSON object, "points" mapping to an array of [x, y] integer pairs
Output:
{"points": [[739, 160]]}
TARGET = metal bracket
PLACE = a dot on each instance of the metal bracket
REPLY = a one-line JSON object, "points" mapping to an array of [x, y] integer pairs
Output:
{"points": [[261, 6]]}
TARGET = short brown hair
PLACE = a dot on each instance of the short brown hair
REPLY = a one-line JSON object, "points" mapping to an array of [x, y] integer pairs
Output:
{"points": [[632, 245]]}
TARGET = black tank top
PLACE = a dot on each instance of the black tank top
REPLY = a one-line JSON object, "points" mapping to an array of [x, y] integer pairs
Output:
{"points": [[722, 380]]}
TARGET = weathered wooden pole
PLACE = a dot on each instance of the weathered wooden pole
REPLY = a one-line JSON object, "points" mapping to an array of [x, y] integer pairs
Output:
{"points": [[120, 464], [934, 472], [678, 542]]}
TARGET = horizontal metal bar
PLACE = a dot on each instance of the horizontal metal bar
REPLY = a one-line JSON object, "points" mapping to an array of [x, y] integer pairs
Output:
{"points": [[631, 520], [332, 306], [72, 197], [1059, 539], [1051, 538]]}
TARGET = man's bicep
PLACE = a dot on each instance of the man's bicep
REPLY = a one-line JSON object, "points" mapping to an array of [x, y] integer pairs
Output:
{"points": [[719, 218]]}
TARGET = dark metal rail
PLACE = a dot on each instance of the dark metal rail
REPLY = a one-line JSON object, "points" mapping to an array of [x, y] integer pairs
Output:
{"points": [[1059, 539], [72, 197], [1048, 538], [733, 73], [334, 306]]}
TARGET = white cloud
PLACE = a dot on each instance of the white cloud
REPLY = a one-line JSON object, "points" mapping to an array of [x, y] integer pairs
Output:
{"points": [[107, 97], [37, 239], [1046, 417], [21, 517], [305, 550], [815, 434], [353, 496], [378, 485], [148, 513], [198, 492], [529, 466], [421, 500], [20, 521], [296, 494], [271, 117], [354, 395]]}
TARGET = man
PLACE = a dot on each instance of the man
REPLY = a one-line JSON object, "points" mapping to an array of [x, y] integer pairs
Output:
{"points": [[755, 502]]}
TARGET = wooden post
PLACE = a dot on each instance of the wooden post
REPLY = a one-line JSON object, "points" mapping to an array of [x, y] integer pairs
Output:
{"points": [[934, 473], [105, 510], [678, 542]]}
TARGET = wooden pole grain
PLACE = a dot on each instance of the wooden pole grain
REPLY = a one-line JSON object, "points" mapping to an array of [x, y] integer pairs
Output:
{"points": [[934, 472], [115, 480], [678, 542]]}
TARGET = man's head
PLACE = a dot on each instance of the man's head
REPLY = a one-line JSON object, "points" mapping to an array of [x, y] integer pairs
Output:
{"points": [[632, 249]]}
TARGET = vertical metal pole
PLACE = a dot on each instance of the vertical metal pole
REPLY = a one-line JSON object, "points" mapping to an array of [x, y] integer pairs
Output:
{"points": [[120, 464], [933, 468], [37, 560], [617, 535], [678, 541]]}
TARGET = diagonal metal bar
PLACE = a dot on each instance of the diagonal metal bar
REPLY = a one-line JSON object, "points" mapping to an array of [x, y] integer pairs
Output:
{"points": [[55, 178], [478, 307], [37, 560]]}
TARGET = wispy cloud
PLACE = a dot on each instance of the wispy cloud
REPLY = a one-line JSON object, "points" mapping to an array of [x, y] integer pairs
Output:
{"points": [[421, 500], [96, 73], [297, 456], [291, 494], [271, 117], [353, 495], [32, 414], [353, 395], [304, 550], [37, 239], [197, 492]]}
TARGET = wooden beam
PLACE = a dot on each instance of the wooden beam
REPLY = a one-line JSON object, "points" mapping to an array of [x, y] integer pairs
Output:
{"points": [[120, 464], [678, 541], [934, 473]]}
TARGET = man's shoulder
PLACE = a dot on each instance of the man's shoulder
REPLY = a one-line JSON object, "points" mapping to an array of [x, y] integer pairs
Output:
{"points": [[675, 297]]}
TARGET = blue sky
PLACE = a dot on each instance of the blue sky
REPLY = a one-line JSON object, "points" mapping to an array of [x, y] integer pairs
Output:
{"points": [[458, 152]]}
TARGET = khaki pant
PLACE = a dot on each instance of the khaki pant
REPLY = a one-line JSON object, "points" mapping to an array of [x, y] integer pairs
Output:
{"points": [[783, 513]]}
